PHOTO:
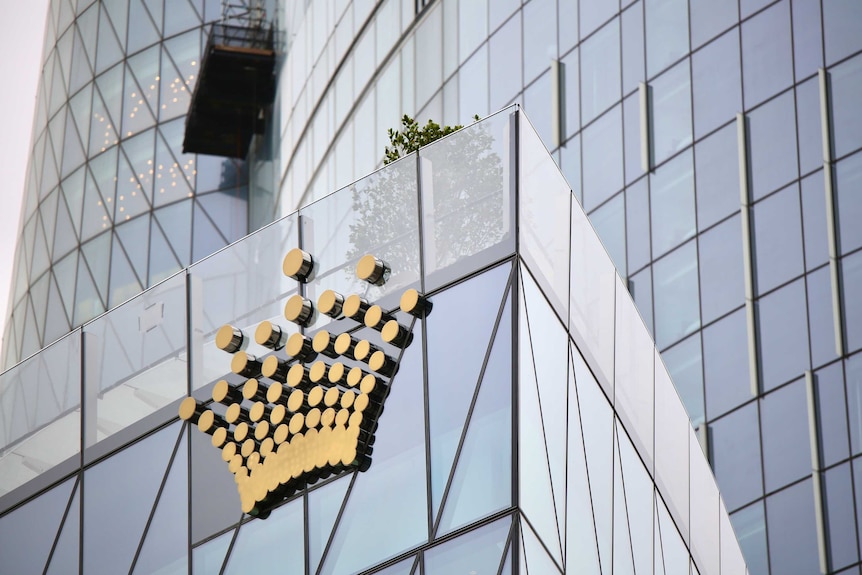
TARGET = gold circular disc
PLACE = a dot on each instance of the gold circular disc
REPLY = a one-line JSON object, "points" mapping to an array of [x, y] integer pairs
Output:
{"points": [[220, 390], [373, 316], [263, 332], [315, 396], [389, 331], [296, 423], [206, 420], [347, 399], [294, 344], [269, 366], [294, 307], [342, 416], [342, 343], [409, 300], [355, 419], [317, 371], [266, 446], [187, 408], [354, 376], [362, 349], [240, 433], [326, 302], [247, 447], [320, 341], [294, 402], [330, 398], [224, 336], [295, 375], [235, 463], [280, 435], [253, 460], [277, 414], [352, 305], [273, 394], [228, 451], [293, 262], [232, 413], [249, 389], [368, 383], [327, 417], [239, 362], [336, 372], [257, 411], [261, 430], [361, 403], [219, 437], [365, 267], [377, 361], [312, 418]]}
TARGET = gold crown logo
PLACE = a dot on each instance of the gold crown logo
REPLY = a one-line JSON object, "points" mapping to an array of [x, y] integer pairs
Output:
{"points": [[312, 413]]}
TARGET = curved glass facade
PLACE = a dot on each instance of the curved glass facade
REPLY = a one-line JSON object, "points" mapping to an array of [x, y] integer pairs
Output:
{"points": [[111, 204]]}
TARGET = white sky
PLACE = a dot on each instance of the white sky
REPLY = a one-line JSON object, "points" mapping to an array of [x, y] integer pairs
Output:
{"points": [[22, 26]]}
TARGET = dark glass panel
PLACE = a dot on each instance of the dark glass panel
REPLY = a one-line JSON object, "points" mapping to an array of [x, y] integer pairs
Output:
{"points": [[783, 335], [66, 552], [477, 551], [716, 81], [821, 324], [736, 456], [851, 277], [750, 527], [792, 534], [572, 103], [609, 221], [633, 47], [814, 221], [272, 545], [725, 358], [767, 66], [838, 488], [209, 557], [637, 225]]}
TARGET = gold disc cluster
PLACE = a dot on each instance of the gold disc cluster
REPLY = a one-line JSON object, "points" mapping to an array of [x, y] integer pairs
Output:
{"points": [[305, 415]]}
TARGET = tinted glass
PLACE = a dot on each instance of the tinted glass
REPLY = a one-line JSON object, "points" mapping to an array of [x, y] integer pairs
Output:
{"points": [[777, 239], [540, 37], [736, 458], [710, 18], [716, 82], [504, 69], [637, 224], [677, 312], [783, 335], [853, 374], [264, 546], [684, 362], [717, 172], [786, 455], [851, 270], [772, 146], [600, 71], [750, 525], [672, 204], [814, 221], [792, 533], [838, 486], [633, 46], [810, 128], [671, 109], [840, 19], [479, 551], [602, 158], [666, 33], [767, 67], [848, 177], [609, 221], [725, 362], [722, 285]]}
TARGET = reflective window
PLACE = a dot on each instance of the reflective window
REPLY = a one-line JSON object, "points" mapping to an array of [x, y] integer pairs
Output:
{"points": [[846, 85], [666, 33], [478, 551], [807, 37], [267, 546], [783, 334], [725, 364], [736, 458], [717, 172], [838, 487], [671, 108], [851, 276], [792, 533], [609, 221], [536, 99], [572, 110], [722, 284], [772, 146], [676, 302], [602, 158], [777, 239], [841, 24], [594, 14], [829, 383], [504, 69], [632, 137], [814, 221], [672, 204], [637, 224], [749, 524], [786, 452], [848, 182], [600, 71], [633, 46], [820, 317], [853, 374], [810, 129], [473, 87], [472, 26], [428, 56], [716, 82], [540, 37], [766, 54], [709, 18], [640, 288], [500, 10], [684, 362]]}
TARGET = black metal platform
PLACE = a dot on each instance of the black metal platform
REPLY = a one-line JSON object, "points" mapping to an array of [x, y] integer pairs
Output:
{"points": [[235, 85]]}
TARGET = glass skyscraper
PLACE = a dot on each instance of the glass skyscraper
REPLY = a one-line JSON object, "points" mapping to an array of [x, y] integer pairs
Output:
{"points": [[715, 147]]}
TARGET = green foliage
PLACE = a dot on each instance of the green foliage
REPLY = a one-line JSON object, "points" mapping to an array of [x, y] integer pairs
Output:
{"points": [[412, 136]]}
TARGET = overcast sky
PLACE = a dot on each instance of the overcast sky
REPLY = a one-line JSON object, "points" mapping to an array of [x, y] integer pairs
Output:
{"points": [[22, 26]]}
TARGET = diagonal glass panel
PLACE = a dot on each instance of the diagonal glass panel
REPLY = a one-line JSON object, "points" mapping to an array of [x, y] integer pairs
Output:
{"points": [[638, 488], [154, 7], [452, 383], [103, 177], [173, 132], [58, 89], [209, 557], [597, 424], [48, 210], [404, 567], [481, 481], [65, 271], [108, 49], [162, 262], [123, 283], [135, 176], [64, 54], [144, 33], [215, 504], [103, 131], [64, 234], [538, 559], [39, 297], [522, 555], [478, 551], [550, 352], [673, 549], [175, 95], [73, 153], [88, 302], [27, 534], [118, 10], [229, 210], [111, 538], [137, 116], [56, 323], [145, 70], [534, 480], [182, 17], [376, 526], [134, 236], [30, 340], [165, 544], [206, 238], [97, 253], [623, 560], [185, 52], [86, 24], [658, 557], [81, 72], [68, 544], [581, 554], [174, 221], [56, 130], [272, 545], [323, 507], [171, 182]]}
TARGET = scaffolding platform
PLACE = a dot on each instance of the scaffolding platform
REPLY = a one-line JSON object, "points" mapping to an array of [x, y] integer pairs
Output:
{"points": [[236, 84]]}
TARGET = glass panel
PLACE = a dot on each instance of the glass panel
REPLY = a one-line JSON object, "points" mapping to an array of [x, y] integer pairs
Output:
{"points": [[451, 384], [832, 408], [545, 209], [209, 557], [841, 30], [767, 66], [672, 204], [572, 102], [428, 56], [736, 458], [675, 287], [609, 221], [750, 527], [27, 534], [241, 285], [540, 38], [671, 109], [710, 18], [792, 530], [671, 445], [536, 556], [215, 503], [810, 128], [272, 545], [623, 562], [600, 71], [715, 75], [66, 551], [111, 538], [473, 93], [466, 199], [777, 239], [376, 526], [40, 403], [783, 335], [591, 308], [848, 178], [666, 33], [673, 549], [136, 359], [323, 507], [481, 481], [505, 62], [634, 371], [633, 146], [814, 221], [851, 277], [853, 367], [637, 225], [165, 546], [841, 524], [536, 98], [786, 453], [478, 551], [772, 145], [602, 158], [725, 359], [633, 47], [638, 503], [721, 270], [684, 362]]}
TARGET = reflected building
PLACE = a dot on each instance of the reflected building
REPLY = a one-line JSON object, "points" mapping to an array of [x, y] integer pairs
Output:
{"points": [[716, 149]]}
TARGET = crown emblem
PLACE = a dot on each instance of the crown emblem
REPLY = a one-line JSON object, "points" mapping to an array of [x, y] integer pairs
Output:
{"points": [[308, 409]]}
